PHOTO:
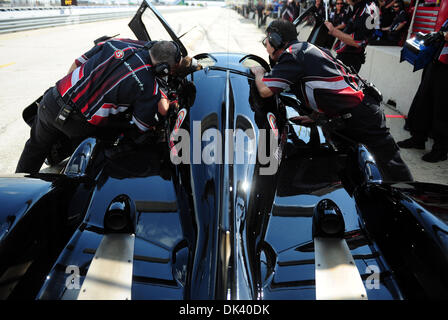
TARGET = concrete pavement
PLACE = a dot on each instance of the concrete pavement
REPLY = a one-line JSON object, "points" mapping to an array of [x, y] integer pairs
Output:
{"points": [[421, 170]]}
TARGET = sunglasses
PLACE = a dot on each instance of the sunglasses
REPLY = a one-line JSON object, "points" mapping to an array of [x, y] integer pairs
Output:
{"points": [[264, 41], [396, 6], [339, 3]]}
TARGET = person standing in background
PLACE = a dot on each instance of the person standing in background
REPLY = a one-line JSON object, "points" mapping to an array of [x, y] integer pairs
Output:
{"points": [[352, 41], [338, 16], [428, 114]]}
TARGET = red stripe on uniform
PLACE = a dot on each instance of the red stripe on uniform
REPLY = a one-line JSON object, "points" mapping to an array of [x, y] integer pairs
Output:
{"points": [[443, 58], [338, 66], [276, 79], [65, 84], [349, 91], [327, 79], [102, 90], [96, 120], [395, 116], [98, 72]]}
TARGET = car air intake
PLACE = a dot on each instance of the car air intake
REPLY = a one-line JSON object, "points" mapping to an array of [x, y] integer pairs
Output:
{"points": [[328, 221], [120, 216]]}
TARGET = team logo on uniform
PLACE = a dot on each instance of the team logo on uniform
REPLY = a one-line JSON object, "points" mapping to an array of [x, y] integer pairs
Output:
{"points": [[119, 54], [273, 123]]}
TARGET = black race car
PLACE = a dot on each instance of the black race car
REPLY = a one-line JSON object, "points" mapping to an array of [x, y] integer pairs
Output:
{"points": [[230, 201]]}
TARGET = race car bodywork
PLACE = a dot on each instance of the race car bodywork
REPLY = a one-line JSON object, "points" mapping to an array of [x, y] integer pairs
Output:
{"points": [[233, 202]]}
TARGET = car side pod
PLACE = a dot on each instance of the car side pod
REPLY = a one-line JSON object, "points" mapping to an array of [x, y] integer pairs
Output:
{"points": [[337, 277], [110, 273]]}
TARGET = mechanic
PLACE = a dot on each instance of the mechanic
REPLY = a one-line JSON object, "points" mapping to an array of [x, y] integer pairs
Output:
{"points": [[327, 87], [393, 34], [428, 114], [338, 16], [260, 9], [387, 12], [320, 9], [350, 47], [290, 10], [106, 88]]}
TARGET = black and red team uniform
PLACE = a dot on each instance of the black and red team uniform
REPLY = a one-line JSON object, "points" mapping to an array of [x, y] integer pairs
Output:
{"points": [[327, 87], [360, 25], [112, 85], [338, 18]]}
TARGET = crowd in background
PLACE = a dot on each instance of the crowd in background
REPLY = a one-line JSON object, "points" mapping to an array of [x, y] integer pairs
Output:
{"points": [[286, 9], [394, 20]]}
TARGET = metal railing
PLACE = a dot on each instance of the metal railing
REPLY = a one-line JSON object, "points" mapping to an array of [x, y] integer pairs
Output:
{"points": [[12, 20], [46, 19]]}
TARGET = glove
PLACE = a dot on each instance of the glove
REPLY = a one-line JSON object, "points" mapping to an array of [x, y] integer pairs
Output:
{"points": [[188, 65], [433, 37], [174, 105], [187, 94]]}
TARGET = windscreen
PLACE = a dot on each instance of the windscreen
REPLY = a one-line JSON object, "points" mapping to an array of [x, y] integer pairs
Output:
{"points": [[305, 26], [155, 29]]}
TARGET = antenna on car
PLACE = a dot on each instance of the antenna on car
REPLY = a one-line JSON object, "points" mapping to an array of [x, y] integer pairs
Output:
{"points": [[326, 9], [187, 32]]}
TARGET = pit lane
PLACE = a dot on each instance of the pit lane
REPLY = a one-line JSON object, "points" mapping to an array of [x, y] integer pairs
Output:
{"points": [[32, 61]]}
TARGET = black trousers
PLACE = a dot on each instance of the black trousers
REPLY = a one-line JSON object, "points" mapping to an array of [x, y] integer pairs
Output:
{"points": [[259, 18], [354, 60], [428, 114], [45, 132], [368, 126]]}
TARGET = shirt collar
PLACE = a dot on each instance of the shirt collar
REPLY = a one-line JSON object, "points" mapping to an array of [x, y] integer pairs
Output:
{"points": [[288, 44]]}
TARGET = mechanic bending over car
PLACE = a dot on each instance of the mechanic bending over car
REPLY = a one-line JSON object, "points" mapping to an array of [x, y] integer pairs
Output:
{"points": [[107, 87], [330, 90]]}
